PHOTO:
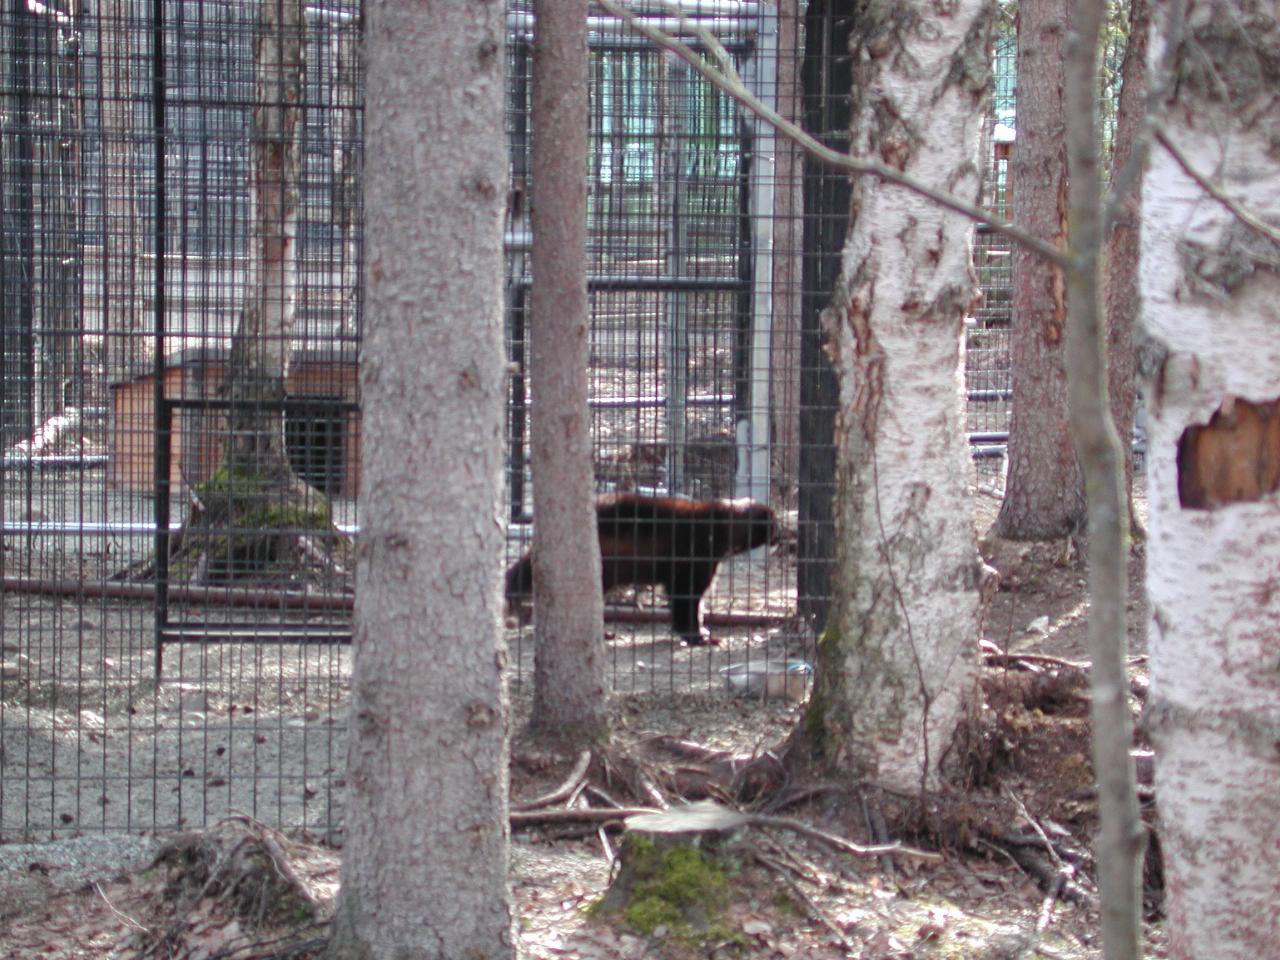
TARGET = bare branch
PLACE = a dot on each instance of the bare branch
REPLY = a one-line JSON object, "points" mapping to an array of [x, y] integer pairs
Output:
{"points": [[735, 88], [1209, 187]]}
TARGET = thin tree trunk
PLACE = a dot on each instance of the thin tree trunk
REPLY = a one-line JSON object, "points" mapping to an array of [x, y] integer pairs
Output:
{"points": [[896, 671], [1120, 834], [254, 516], [345, 54], [260, 354], [1120, 288], [424, 870], [1044, 496], [569, 678], [1210, 285]]}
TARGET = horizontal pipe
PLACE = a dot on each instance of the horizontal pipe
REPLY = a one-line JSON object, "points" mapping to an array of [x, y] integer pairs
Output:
{"points": [[228, 596], [76, 528], [18, 461], [293, 600]]}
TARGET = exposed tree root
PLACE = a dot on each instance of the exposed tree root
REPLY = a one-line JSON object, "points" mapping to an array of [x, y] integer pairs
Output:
{"points": [[228, 888], [267, 529]]}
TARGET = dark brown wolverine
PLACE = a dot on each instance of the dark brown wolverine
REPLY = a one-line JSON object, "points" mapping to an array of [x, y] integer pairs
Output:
{"points": [[668, 542]]}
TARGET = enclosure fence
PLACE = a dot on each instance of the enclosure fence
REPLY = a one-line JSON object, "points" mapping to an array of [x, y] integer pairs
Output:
{"points": [[180, 415]]}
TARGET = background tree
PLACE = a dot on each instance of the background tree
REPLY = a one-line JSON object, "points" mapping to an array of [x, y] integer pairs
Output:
{"points": [[1044, 494], [424, 870], [1120, 289], [896, 662], [255, 516], [1210, 285], [569, 678]]}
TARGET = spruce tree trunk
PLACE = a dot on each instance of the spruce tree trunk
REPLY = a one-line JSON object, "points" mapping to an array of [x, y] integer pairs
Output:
{"points": [[569, 673], [896, 670], [1210, 285], [1120, 288], [1044, 493], [424, 870]]}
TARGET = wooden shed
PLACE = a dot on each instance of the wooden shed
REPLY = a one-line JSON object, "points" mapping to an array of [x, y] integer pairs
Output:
{"points": [[321, 421]]}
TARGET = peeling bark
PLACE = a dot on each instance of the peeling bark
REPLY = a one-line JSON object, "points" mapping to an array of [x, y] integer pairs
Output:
{"points": [[1210, 288], [896, 662], [1120, 284]]}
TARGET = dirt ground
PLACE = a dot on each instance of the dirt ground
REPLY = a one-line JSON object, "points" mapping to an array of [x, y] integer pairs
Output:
{"points": [[979, 899]]}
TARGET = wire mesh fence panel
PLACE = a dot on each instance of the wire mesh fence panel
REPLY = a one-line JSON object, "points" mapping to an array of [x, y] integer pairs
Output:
{"points": [[680, 375], [184, 265], [182, 317]]}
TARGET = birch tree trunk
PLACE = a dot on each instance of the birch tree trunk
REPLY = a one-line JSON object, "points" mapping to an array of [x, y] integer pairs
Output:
{"points": [[255, 518], [1210, 285], [424, 870], [569, 674], [1044, 494], [344, 47], [896, 667]]}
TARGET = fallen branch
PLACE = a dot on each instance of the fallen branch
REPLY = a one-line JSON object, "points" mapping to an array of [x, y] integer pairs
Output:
{"points": [[528, 818], [837, 842]]}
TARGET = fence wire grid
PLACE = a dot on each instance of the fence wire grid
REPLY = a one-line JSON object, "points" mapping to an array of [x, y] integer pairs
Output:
{"points": [[164, 663]]}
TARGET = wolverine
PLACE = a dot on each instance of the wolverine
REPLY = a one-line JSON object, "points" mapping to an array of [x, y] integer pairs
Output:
{"points": [[669, 542]]}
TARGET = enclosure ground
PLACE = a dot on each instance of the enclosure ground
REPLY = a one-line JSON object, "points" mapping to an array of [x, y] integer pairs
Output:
{"points": [[977, 902]]}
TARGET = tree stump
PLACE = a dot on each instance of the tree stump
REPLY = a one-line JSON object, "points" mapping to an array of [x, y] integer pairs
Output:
{"points": [[674, 868]]}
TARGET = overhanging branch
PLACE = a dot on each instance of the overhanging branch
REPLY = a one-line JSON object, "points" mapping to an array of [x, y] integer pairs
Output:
{"points": [[724, 78]]}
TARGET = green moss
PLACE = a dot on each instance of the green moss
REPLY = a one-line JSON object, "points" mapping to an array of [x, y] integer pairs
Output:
{"points": [[647, 914], [783, 902], [680, 889], [815, 714]]}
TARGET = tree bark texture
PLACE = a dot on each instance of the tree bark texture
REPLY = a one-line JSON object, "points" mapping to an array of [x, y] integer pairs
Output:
{"points": [[1120, 287], [896, 662], [1210, 286], [1120, 831], [1044, 494], [260, 354], [569, 672], [424, 870]]}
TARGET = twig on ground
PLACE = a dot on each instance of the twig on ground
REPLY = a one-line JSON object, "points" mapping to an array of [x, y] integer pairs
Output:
{"points": [[839, 843], [810, 904], [116, 913], [800, 794], [876, 830], [610, 854], [801, 870], [602, 796]]}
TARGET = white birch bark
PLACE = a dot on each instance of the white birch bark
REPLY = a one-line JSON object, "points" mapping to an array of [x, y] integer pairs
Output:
{"points": [[424, 870], [1211, 286], [896, 672]]}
